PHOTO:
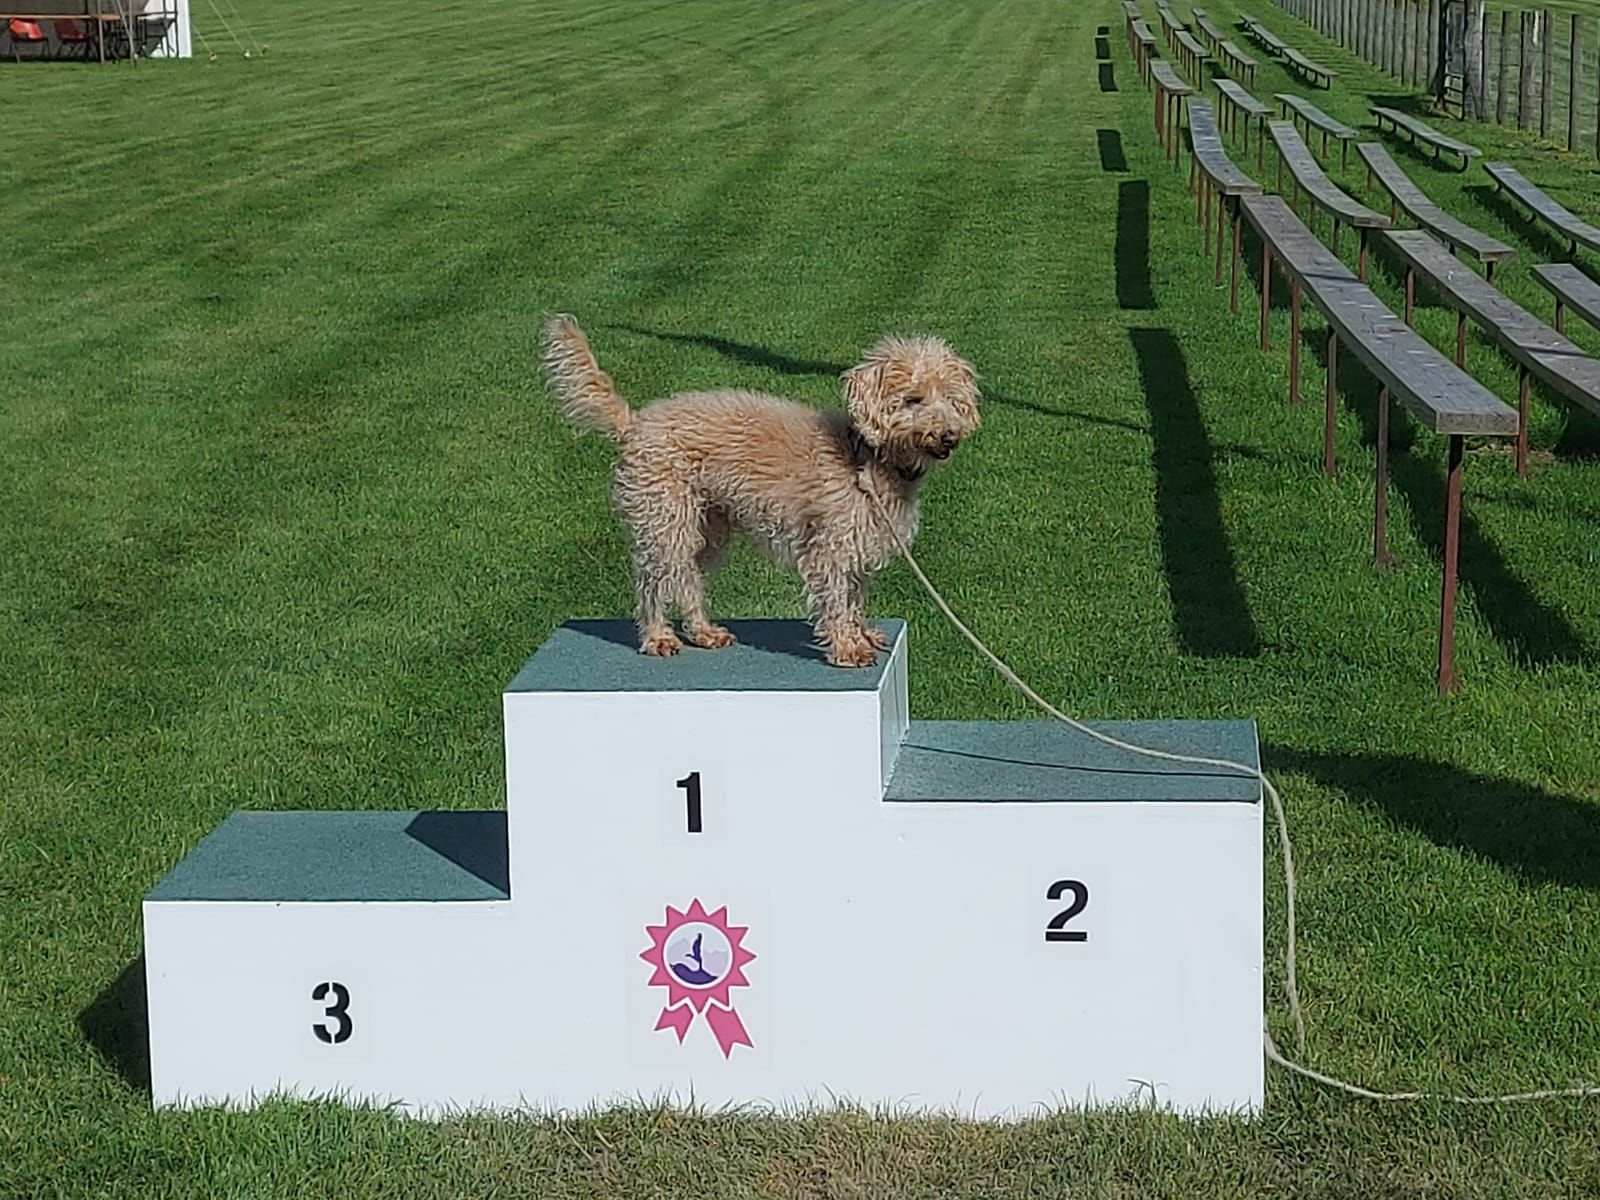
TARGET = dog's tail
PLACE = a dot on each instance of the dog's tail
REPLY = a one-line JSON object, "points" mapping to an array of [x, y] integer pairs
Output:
{"points": [[587, 395]]}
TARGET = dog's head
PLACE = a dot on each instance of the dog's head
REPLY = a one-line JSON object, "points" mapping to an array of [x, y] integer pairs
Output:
{"points": [[913, 400]]}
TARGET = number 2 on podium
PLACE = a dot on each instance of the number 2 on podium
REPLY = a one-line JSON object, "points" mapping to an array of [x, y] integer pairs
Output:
{"points": [[1056, 930]]}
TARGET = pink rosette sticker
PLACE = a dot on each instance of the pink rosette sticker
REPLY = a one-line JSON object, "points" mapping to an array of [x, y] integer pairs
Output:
{"points": [[698, 957]]}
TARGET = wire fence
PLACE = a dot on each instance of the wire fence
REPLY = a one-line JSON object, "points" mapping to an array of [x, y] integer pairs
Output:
{"points": [[1536, 69]]}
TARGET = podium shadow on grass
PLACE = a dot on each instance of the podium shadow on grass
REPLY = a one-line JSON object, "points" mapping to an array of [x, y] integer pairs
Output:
{"points": [[117, 1024], [1209, 612], [1529, 628], [1535, 836]]}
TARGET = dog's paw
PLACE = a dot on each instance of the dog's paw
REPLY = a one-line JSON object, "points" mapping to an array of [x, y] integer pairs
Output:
{"points": [[852, 651], [876, 636], [661, 645], [711, 637]]}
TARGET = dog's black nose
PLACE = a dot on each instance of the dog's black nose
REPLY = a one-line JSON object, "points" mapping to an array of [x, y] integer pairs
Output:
{"points": [[949, 440]]}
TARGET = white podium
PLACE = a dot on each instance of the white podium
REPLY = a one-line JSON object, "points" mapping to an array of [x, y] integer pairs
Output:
{"points": [[737, 877]]}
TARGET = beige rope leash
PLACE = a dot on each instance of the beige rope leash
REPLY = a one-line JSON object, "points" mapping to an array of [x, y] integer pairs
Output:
{"points": [[1290, 987]]}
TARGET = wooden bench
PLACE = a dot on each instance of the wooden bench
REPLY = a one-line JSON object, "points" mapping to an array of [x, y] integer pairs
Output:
{"points": [[1142, 44], [1576, 230], [1298, 108], [1263, 37], [1441, 396], [1237, 102], [1570, 286], [1538, 351], [1170, 93], [1191, 54], [1213, 174], [1322, 191], [1307, 69], [1171, 26], [1425, 134], [1410, 199], [1239, 63], [1204, 27]]}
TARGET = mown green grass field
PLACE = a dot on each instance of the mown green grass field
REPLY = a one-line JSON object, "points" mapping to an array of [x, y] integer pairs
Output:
{"points": [[286, 506]]}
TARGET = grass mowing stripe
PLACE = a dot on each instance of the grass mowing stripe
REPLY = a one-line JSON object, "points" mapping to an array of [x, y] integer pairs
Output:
{"points": [[287, 505]]}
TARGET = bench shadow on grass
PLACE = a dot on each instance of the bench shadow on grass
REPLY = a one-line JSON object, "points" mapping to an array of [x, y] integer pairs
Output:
{"points": [[1112, 160], [116, 1023], [1535, 836], [1209, 612], [1132, 249], [1532, 631]]}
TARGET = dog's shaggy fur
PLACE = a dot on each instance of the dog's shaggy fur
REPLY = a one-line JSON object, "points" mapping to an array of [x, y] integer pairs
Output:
{"points": [[694, 467]]}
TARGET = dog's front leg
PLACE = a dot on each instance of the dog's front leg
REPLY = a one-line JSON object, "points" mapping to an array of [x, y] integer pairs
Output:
{"points": [[834, 599]]}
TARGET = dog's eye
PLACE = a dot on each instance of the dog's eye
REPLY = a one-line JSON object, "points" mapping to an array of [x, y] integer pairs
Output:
{"points": [[913, 399]]}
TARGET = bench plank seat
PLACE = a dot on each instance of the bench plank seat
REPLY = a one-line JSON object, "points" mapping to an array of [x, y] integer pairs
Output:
{"points": [[1190, 52], [1298, 108], [1537, 349], [1211, 156], [1570, 226], [1309, 70], [1235, 102], [1440, 395], [1263, 37], [1206, 29], [1413, 201], [1237, 58], [1571, 288], [1322, 191], [1424, 133]]}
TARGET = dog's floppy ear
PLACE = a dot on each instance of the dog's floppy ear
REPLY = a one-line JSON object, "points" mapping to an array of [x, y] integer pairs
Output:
{"points": [[863, 385]]}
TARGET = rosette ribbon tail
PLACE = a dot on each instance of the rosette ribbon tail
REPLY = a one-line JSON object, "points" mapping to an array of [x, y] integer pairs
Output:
{"points": [[726, 1027], [678, 1019]]}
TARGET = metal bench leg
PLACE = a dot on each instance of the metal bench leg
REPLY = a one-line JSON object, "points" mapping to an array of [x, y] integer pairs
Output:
{"points": [[1380, 509], [1222, 233], [1336, 238], [1233, 282], [1266, 294], [1461, 339], [1488, 273], [1344, 155], [1561, 317], [1330, 401], [1205, 205], [1361, 261], [1448, 680], [1522, 420], [1411, 293], [1294, 341]]}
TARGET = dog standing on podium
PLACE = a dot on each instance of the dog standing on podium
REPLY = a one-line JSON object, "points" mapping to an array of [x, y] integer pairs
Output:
{"points": [[697, 466]]}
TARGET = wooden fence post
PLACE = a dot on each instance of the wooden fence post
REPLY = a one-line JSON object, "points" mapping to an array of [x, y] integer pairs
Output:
{"points": [[1525, 74], [1503, 75], [1574, 85], [1436, 72], [1408, 38], [1547, 57], [1472, 85]]}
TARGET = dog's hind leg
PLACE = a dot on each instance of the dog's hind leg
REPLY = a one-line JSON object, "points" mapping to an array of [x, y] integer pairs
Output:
{"points": [[665, 524], [716, 531]]}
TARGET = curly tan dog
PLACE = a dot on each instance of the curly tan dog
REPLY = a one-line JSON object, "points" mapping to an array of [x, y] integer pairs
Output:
{"points": [[695, 467]]}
